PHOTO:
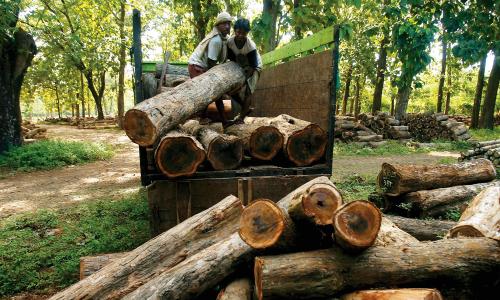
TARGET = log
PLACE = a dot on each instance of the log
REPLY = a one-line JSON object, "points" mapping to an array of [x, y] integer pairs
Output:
{"points": [[397, 179], [327, 272], [240, 289], [356, 225], [395, 294], [223, 151], [91, 264], [179, 154], [391, 235], [304, 142], [369, 138], [176, 70], [423, 230], [196, 274], [432, 203], [268, 225], [261, 141], [32, 133], [159, 254], [153, 118], [481, 218]]}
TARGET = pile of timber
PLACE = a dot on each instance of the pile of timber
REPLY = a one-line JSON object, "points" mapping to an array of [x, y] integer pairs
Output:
{"points": [[467, 120], [433, 190], [32, 132], [93, 123], [349, 130], [425, 127], [307, 245], [384, 124], [181, 146], [487, 149]]}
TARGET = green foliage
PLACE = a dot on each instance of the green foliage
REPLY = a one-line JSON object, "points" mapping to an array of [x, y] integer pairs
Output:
{"points": [[48, 154], [40, 251], [452, 215], [485, 134], [356, 187], [9, 10]]}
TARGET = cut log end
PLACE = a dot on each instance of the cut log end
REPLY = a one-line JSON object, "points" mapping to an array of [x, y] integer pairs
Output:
{"points": [[139, 128], [179, 157], [261, 224], [465, 231], [388, 179], [265, 142], [306, 146], [225, 153], [357, 225], [321, 202]]}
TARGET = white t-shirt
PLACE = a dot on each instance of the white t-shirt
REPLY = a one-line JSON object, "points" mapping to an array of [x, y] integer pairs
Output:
{"points": [[212, 51], [247, 48]]}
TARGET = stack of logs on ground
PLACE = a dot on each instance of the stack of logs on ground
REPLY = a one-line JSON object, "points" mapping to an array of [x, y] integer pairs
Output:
{"points": [[487, 149], [433, 190], [426, 127], [93, 123], [180, 145], [32, 132], [307, 245]]}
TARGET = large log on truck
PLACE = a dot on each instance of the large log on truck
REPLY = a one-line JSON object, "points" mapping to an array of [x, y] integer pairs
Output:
{"points": [[293, 222], [482, 217], [154, 257], [462, 263], [153, 118], [397, 179]]}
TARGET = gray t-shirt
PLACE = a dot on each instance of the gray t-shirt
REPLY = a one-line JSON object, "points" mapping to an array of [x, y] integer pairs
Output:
{"points": [[212, 51]]}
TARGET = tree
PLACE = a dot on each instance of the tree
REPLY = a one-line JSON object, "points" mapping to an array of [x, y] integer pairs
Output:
{"points": [[17, 49], [266, 26], [382, 59], [488, 111], [123, 63]]}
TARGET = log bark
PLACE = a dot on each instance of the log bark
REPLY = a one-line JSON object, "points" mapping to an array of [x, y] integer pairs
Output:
{"points": [[432, 203], [325, 273], [261, 141], [179, 154], [268, 225], [423, 230], [223, 151], [481, 218], [395, 294], [153, 118], [193, 276], [356, 225], [159, 254], [91, 264], [397, 179], [240, 289], [32, 133], [391, 235]]}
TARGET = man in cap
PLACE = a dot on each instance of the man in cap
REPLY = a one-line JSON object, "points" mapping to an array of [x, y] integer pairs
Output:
{"points": [[210, 51]]}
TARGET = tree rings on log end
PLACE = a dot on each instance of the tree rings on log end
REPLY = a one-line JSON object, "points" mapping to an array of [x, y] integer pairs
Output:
{"points": [[388, 180], [321, 202], [225, 152], [139, 127], [261, 224], [178, 156], [357, 225], [265, 142], [465, 231], [307, 145]]}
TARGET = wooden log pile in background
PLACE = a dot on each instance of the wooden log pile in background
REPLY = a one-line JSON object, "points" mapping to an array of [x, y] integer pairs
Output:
{"points": [[31, 132], [386, 125], [348, 130], [425, 127], [487, 149]]}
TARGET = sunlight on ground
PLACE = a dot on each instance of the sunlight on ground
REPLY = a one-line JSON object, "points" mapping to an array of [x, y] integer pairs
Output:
{"points": [[444, 154]]}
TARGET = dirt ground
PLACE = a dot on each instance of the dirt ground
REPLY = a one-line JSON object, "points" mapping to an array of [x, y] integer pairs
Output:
{"points": [[120, 175]]}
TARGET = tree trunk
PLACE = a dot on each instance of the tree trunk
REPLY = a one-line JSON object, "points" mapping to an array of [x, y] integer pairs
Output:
{"points": [[224, 152], [153, 118], [197, 273], [482, 217], [200, 22], [423, 230], [123, 63], [15, 58], [397, 179], [381, 66], [356, 225], [443, 74], [91, 264], [357, 102], [488, 111], [396, 294], [162, 253], [296, 6], [77, 109], [240, 289], [479, 93], [347, 89], [260, 141], [179, 154], [402, 104], [434, 203], [393, 99], [58, 103], [82, 94], [270, 11], [325, 273], [448, 92], [266, 225], [97, 94]]}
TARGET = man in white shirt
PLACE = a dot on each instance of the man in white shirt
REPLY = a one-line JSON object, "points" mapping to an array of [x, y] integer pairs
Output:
{"points": [[242, 50]]}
